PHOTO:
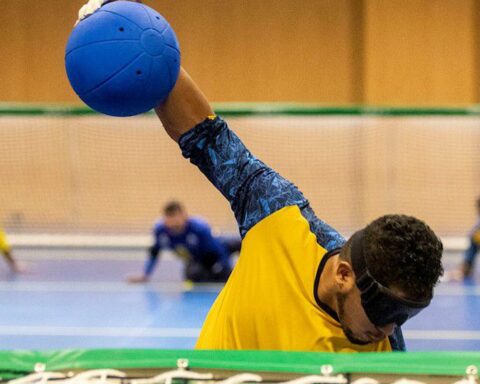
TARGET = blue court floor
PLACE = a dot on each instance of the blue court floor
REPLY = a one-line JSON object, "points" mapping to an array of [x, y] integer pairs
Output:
{"points": [[79, 299]]}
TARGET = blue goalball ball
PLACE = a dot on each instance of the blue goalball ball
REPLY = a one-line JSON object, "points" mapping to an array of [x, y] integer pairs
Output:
{"points": [[123, 60]]}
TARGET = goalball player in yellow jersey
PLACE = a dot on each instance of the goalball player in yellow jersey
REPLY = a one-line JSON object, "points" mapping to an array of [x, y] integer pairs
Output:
{"points": [[7, 252], [298, 285]]}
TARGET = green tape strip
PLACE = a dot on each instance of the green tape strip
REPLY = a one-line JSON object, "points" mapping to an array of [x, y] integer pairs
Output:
{"points": [[419, 363], [257, 109]]}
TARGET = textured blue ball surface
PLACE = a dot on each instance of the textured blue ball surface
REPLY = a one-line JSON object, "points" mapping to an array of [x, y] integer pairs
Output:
{"points": [[123, 60]]}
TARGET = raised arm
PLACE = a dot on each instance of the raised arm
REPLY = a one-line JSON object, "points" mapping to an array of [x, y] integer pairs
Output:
{"points": [[253, 189]]}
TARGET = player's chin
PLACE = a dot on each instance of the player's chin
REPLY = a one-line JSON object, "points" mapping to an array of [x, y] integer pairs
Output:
{"points": [[354, 339]]}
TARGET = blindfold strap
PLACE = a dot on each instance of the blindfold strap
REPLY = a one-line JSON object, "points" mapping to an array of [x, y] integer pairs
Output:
{"points": [[363, 278], [370, 289]]}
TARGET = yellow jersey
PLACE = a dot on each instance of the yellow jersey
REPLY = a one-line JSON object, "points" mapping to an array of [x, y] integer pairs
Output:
{"points": [[269, 302], [476, 236], [4, 245]]}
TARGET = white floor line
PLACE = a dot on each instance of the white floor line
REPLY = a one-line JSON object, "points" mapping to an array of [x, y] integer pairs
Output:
{"points": [[176, 333], [457, 290], [441, 335], [106, 286], [191, 333], [112, 286], [92, 255], [67, 254]]}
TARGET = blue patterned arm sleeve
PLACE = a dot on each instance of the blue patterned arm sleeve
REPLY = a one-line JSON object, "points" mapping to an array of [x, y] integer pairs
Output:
{"points": [[253, 189]]}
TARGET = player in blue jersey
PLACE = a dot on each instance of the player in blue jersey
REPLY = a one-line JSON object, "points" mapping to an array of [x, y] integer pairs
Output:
{"points": [[206, 257], [473, 248]]}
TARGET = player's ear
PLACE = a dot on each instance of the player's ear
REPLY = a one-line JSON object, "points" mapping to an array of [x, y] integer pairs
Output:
{"points": [[344, 276]]}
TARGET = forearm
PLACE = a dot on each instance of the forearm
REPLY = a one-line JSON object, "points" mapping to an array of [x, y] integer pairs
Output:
{"points": [[213, 245], [224, 258], [253, 189], [9, 258], [151, 262], [185, 107]]}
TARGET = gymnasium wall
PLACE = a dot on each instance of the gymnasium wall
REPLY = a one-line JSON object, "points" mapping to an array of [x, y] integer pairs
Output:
{"points": [[96, 174], [417, 52]]}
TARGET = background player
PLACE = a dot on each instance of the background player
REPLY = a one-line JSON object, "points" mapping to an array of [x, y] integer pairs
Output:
{"points": [[206, 258], [298, 285], [6, 250], [472, 250]]}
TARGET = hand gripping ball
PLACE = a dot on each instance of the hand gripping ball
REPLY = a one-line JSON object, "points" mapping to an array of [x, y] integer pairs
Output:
{"points": [[123, 60]]}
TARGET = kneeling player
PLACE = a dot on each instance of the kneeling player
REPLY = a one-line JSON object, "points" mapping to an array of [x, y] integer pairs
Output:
{"points": [[206, 257]]}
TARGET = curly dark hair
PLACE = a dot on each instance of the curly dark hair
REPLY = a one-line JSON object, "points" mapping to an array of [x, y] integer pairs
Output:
{"points": [[403, 252]]}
